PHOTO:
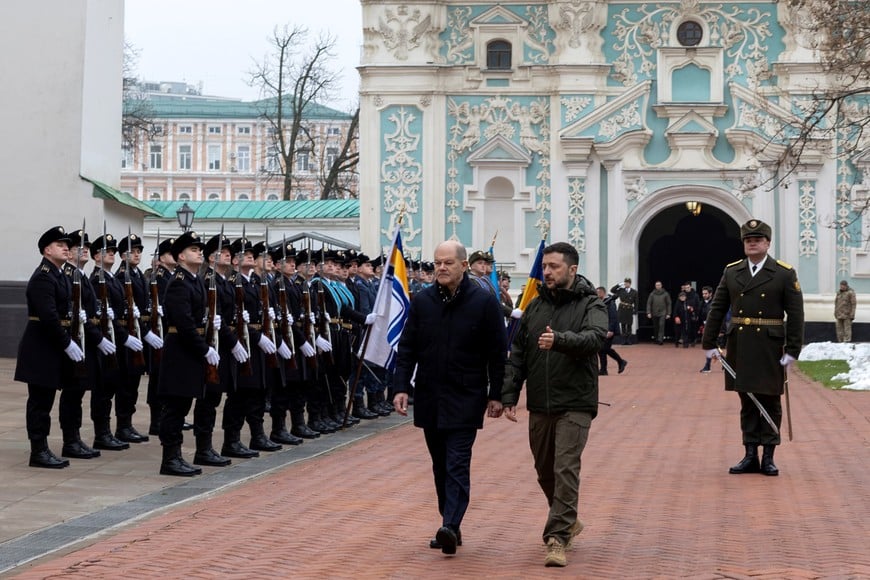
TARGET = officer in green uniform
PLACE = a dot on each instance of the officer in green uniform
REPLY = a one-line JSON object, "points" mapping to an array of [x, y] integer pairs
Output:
{"points": [[765, 337]]}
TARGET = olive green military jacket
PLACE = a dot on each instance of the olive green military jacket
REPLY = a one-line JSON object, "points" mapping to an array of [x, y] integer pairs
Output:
{"points": [[767, 320]]}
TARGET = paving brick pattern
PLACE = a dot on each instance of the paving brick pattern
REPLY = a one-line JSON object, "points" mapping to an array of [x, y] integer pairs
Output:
{"points": [[656, 498]]}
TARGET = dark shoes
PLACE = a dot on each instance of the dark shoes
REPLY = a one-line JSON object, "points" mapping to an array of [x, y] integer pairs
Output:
{"points": [[304, 431], [109, 442], [78, 450], [447, 539], [262, 443], [41, 456], [705, 370], [749, 463], [622, 364], [211, 458], [767, 466], [602, 373], [436, 545], [237, 449], [129, 434], [284, 436], [174, 464]]}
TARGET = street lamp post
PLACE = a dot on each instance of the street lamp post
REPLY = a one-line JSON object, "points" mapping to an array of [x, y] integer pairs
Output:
{"points": [[185, 217]]}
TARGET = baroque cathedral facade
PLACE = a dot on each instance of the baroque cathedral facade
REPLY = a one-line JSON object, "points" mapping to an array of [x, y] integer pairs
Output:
{"points": [[643, 133]]}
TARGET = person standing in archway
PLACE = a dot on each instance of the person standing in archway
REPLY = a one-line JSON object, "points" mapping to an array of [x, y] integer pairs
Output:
{"points": [[627, 309], [765, 337]]}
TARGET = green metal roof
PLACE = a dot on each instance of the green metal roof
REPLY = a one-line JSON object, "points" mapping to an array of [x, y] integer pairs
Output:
{"points": [[262, 210], [167, 106], [103, 191]]}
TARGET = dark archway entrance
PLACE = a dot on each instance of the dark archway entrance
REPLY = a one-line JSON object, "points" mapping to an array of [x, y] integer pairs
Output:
{"points": [[677, 246]]}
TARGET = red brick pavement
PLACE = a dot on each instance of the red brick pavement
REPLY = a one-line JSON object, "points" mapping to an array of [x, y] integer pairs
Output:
{"points": [[656, 497]]}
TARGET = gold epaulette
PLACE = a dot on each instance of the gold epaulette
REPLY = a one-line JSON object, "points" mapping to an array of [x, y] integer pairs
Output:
{"points": [[45, 268], [734, 263], [180, 274], [784, 265]]}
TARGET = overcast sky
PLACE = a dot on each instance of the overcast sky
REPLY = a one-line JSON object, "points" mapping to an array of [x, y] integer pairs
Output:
{"points": [[218, 41]]}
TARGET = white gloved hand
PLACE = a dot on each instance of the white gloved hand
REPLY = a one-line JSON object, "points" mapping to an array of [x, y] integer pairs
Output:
{"points": [[284, 352], [311, 318], [136, 313], [289, 318], [246, 317], [786, 360], [370, 318], [217, 321], [106, 346], [133, 343], [153, 340], [266, 345], [711, 353], [83, 315], [271, 313], [327, 316], [323, 344], [516, 313], [160, 310], [212, 357], [239, 353], [307, 349], [110, 313], [74, 352]]}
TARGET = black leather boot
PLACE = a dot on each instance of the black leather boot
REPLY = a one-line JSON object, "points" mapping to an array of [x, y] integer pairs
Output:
{"points": [[127, 433], [300, 429], [233, 447], [767, 466], [74, 447], [41, 455], [379, 404], [259, 441], [360, 411], [280, 434], [749, 463], [205, 453], [174, 464], [103, 438]]}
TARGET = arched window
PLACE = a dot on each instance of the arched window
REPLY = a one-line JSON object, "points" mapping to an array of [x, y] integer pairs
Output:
{"points": [[243, 197], [214, 196], [272, 197], [498, 55], [184, 196], [154, 196]]}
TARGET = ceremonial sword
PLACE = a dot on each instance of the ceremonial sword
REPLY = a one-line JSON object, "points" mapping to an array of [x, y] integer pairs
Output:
{"points": [[730, 370]]}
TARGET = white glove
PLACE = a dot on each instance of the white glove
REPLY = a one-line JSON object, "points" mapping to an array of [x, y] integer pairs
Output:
{"points": [[246, 317], [323, 344], [370, 318], [133, 343], [74, 352], [83, 315], [153, 340], [711, 353], [266, 345], [327, 316], [135, 311], [160, 310], [311, 318], [786, 360], [307, 349], [212, 357], [110, 313], [516, 313], [284, 352], [217, 321], [106, 346], [239, 353], [271, 313], [289, 318]]}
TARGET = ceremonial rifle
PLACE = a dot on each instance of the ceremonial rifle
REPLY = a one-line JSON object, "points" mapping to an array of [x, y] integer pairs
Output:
{"points": [[307, 326], [323, 325], [77, 322], [105, 323], [156, 320], [212, 376], [284, 326], [268, 325], [137, 357], [242, 334]]}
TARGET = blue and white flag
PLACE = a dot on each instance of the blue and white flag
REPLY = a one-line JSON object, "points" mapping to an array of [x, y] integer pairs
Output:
{"points": [[391, 306]]}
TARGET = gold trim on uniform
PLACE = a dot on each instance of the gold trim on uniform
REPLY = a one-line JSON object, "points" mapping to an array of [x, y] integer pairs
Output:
{"points": [[174, 330], [784, 265], [733, 263]]}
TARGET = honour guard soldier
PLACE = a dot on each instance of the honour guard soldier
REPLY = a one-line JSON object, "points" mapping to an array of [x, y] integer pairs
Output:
{"points": [[46, 352], [765, 337], [161, 274], [627, 308], [185, 353]]}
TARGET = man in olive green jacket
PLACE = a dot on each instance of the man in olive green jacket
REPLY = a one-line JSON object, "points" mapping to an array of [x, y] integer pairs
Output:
{"points": [[555, 353]]}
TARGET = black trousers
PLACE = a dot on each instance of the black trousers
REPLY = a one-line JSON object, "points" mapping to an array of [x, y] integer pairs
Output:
{"points": [[607, 351], [244, 405], [70, 408], [128, 394], [172, 415], [102, 393], [40, 400], [757, 431], [451, 466], [205, 412]]}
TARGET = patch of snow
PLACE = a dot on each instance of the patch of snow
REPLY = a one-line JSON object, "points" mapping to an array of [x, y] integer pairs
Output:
{"points": [[856, 354]]}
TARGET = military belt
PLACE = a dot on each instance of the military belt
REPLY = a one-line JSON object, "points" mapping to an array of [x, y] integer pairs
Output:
{"points": [[145, 317], [63, 322], [758, 321], [174, 330], [255, 326], [94, 320]]}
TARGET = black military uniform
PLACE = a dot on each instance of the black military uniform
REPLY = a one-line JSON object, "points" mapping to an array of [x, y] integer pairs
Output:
{"points": [[73, 392], [627, 309], [113, 365], [185, 354], [161, 277], [46, 352], [128, 389], [767, 320]]}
